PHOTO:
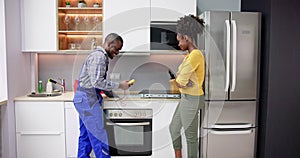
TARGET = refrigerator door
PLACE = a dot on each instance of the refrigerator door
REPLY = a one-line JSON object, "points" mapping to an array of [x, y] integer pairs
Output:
{"points": [[230, 144], [215, 44], [245, 39], [230, 114]]}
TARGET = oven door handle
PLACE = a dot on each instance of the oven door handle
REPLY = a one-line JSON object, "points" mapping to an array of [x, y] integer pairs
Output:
{"points": [[128, 124]]}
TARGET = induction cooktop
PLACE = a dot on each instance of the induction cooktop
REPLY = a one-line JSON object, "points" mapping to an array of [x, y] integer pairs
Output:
{"points": [[158, 94]]}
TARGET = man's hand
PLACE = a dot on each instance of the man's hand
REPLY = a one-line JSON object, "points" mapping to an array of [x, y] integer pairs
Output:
{"points": [[124, 85]]}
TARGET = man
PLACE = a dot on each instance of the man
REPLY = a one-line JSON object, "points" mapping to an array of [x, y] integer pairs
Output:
{"points": [[87, 99]]}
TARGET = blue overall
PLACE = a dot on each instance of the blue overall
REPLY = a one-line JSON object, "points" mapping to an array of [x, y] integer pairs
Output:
{"points": [[88, 103]]}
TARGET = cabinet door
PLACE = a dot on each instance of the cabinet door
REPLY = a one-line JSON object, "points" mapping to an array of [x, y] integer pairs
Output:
{"points": [[40, 145], [131, 20], [39, 29], [162, 115], [171, 10], [72, 129]]}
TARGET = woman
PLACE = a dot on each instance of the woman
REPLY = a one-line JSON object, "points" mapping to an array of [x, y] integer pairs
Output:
{"points": [[190, 77]]}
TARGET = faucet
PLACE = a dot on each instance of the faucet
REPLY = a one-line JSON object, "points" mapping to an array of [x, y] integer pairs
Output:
{"points": [[62, 84]]}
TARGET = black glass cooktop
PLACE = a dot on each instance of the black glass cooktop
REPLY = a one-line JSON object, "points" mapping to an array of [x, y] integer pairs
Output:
{"points": [[158, 94]]}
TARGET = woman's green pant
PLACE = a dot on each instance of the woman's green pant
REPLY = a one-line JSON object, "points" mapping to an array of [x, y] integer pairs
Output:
{"points": [[186, 117]]}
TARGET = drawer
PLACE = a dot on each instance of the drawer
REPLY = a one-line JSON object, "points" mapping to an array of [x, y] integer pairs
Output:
{"points": [[230, 144], [231, 112], [39, 117]]}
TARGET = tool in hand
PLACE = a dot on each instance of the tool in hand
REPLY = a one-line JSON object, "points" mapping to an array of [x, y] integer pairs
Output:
{"points": [[131, 82]]}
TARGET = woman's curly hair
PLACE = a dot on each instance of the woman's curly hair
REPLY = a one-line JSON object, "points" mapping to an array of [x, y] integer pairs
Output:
{"points": [[191, 26]]}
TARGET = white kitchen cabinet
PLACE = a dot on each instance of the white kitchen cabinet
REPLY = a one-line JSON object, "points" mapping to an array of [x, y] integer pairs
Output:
{"points": [[131, 20], [162, 115], [171, 10], [40, 129], [72, 130], [39, 30]]}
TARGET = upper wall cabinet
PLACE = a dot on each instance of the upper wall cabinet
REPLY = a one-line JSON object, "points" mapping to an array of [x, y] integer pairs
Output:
{"points": [[51, 25], [39, 32], [79, 24], [171, 10], [131, 20]]}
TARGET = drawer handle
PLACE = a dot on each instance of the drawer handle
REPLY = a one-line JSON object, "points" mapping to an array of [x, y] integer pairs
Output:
{"points": [[128, 124], [225, 126], [231, 132], [40, 133]]}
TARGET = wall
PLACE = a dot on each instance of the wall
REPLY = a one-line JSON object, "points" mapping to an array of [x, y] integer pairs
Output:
{"points": [[279, 97], [18, 74], [220, 5], [149, 71], [3, 70]]}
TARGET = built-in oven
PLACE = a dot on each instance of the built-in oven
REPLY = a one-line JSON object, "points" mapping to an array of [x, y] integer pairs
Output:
{"points": [[163, 36], [129, 131]]}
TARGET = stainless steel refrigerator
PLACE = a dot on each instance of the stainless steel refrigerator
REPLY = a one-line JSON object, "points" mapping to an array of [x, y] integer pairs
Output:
{"points": [[231, 45]]}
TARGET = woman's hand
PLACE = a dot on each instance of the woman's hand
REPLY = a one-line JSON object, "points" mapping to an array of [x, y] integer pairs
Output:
{"points": [[189, 84]]}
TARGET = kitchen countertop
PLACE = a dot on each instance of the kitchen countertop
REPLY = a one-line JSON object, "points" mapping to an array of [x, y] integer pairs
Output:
{"points": [[68, 97]]}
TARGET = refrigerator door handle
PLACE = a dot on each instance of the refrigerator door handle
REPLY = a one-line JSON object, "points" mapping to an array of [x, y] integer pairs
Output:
{"points": [[227, 54], [249, 131], [234, 45]]}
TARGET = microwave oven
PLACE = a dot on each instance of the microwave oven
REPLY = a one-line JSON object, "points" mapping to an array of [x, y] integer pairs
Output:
{"points": [[163, 36]]}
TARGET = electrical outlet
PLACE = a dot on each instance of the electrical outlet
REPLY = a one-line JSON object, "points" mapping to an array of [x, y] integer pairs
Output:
{"points": [[117, 76], [112, 76]]}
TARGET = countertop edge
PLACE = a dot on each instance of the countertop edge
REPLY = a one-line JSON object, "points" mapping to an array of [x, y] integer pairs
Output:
{"points": [[4, 102], [68, 97]]}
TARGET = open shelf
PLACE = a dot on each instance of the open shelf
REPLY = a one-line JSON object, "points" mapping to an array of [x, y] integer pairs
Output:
{"points": [[78, 25], [80, 32], [76, 10]]}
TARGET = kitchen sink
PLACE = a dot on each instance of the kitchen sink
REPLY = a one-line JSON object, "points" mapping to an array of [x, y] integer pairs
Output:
{"points": [[44, 94]]}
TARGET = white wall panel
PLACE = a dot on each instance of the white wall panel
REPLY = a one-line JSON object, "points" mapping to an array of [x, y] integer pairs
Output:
{"points": [[218, 5], [3, 67]]}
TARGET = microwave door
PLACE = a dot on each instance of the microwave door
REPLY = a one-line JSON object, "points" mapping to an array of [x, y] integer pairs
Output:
{"points": [[163, 36]]}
